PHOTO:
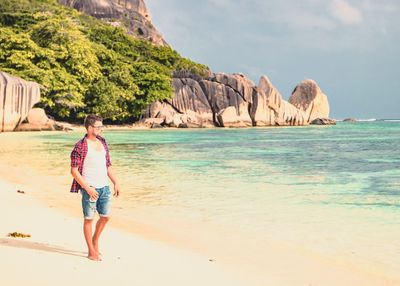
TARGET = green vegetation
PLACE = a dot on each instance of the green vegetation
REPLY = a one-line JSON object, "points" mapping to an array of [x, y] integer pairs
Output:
{"points": [[84, 65]]}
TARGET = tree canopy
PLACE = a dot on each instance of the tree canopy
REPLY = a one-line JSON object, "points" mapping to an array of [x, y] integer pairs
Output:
{"points": [[83, 64]]}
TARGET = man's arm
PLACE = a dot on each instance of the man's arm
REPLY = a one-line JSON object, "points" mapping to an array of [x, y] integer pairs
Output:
{"points": [[113, 178], [78, 177]]}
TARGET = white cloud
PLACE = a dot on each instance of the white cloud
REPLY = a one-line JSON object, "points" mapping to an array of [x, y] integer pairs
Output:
{"points": [[306, 20], [345, 13]]}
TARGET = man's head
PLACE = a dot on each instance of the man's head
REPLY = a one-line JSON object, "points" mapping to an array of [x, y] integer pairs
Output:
{"points": [[93, 124]]}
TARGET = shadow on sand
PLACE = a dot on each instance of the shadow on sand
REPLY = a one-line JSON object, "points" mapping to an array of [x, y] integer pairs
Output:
{"points": [[19, 243]]}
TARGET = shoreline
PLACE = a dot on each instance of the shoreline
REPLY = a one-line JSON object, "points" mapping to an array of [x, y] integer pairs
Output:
{"points": [[66, 246], [283, 265], [144, 262], [71, 127]]}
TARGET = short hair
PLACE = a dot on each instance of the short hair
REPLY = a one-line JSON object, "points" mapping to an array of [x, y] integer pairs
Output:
{"points": [[91, 119]]}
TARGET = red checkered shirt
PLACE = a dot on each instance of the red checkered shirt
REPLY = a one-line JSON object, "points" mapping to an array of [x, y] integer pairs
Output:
{"points": [[78, 155]]}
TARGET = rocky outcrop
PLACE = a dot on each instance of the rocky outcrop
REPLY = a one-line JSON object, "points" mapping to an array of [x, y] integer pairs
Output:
{"points": [[130, 14], [308, 97], [269, 109], [37, 120], [229, 117], [230, 100], [225, 100], [224, 91], [17, 97], [191, 102], [323, 121]]}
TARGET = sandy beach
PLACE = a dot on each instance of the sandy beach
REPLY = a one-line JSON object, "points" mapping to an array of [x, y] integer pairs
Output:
{"points": [[216, 143], [55, 254]]}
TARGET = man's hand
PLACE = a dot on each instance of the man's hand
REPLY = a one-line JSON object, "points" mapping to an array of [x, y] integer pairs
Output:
{"points": [[116, 190], [111, 175], [93, 194]]}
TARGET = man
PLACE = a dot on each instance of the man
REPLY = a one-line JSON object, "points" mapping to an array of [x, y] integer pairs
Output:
{"points": [[91, 168]]}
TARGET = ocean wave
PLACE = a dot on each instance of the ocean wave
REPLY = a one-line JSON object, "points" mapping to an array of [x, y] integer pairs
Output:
{"points": [[367, 120]]}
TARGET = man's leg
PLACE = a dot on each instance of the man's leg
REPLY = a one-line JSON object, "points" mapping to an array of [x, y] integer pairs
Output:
{"points": [[103, 208], [87, 231], [101, 223]]}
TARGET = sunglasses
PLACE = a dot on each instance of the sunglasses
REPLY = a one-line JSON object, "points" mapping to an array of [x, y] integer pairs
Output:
{"points": [[98, 127]]}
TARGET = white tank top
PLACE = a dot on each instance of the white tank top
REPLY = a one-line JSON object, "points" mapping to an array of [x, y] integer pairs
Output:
{"points": [[94, 167]]}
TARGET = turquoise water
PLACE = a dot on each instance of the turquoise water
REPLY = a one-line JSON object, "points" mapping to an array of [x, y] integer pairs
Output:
{"points": [[333, 190]]}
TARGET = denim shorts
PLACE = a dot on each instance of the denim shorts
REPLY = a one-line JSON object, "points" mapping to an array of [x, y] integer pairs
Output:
{"points": [[102, 205]]}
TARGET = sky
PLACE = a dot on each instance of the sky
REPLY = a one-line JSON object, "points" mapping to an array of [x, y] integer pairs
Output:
{"points": [[351, 48]]}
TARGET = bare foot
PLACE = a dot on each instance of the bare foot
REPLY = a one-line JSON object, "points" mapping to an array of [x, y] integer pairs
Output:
{"points": [[94, 257]]}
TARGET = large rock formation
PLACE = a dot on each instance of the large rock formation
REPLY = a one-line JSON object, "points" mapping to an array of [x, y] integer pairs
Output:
{"points": [[225, 100], [37, 120], [17, 97], [232, 100], [308, 97], [224, 91], [270, 109], [131, 14]]}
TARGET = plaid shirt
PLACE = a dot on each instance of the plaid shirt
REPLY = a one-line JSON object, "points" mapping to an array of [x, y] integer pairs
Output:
{"points": [[78, 155]]}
